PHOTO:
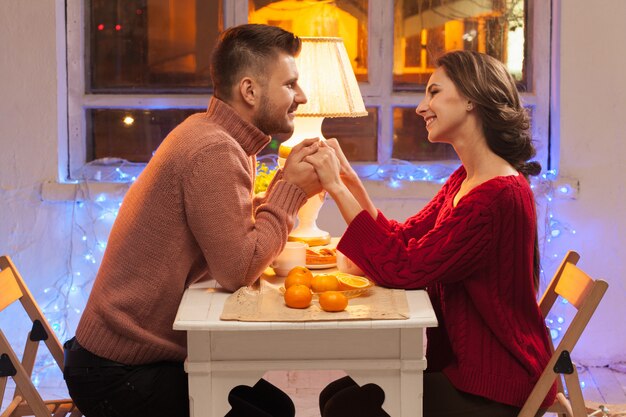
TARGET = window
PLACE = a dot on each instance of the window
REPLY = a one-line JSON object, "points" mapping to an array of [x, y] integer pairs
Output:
{"points": [[137, 68]]}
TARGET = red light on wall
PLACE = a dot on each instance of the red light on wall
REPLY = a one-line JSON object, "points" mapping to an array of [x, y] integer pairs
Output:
{"points": [[100, 26], [118, 27]]}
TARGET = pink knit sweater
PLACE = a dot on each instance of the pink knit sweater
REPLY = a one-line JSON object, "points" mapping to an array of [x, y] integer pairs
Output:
{"points": [[190, 216], [476, 261]]}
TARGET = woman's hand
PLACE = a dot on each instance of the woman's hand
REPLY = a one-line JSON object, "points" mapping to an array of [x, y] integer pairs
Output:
{"points": [[351, 182], [346, 171], [327, 166], [330, 170]]}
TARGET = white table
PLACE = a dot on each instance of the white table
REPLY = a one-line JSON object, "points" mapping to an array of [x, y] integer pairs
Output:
{"points": [[224, 354]]}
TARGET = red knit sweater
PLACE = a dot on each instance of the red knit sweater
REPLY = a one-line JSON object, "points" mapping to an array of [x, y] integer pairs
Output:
{"points": [[190, 216], [476, 262]]}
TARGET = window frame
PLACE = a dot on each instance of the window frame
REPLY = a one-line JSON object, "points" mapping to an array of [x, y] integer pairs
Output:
{"points": [[377, 92]]}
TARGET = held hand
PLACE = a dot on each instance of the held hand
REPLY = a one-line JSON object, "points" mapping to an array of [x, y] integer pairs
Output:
{"points": [[346, 169], [301, 173], [304, 148], [327, 166]]}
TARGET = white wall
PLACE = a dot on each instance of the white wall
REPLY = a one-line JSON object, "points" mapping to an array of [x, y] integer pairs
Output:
{"points": [[593, 143], [593, 149], [33, 233]]}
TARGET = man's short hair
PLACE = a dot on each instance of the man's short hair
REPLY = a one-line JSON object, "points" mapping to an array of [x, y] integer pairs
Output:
{"points": [[247, 49]]}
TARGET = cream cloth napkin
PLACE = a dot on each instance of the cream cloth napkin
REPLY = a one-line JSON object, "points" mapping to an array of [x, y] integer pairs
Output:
{"points": [[265, 303]]}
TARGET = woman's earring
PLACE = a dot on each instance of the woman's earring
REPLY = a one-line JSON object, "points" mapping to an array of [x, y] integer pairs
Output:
{"points": [[470, 106]]}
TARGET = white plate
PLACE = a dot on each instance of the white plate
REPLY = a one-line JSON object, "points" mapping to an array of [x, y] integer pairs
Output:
{"points": [[321, 266]]}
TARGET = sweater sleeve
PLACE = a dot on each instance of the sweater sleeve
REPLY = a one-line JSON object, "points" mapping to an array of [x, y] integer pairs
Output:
{"points": [[262, 197], [237, 241], [449, 252]]}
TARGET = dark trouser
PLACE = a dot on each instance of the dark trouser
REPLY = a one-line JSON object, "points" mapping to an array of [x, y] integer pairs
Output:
{"points": [[103, 388], [442, 399]]}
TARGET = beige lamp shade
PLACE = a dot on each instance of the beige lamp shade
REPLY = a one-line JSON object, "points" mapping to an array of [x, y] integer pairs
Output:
{"points": [[327, 78]]}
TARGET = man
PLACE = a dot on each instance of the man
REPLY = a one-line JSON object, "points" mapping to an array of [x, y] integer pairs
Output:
{"points": [[191, 216]]}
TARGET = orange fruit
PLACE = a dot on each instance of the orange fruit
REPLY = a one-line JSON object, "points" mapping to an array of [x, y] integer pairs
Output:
{"points": [[352, 282], [298, 296], [299, 275], [333, 301], [324, 282]]}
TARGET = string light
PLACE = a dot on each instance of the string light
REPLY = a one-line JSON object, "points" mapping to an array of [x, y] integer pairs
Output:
{"points": [[93, 216]]}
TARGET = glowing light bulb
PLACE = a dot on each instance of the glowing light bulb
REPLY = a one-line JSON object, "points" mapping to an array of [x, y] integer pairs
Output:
{"points": [[128, 120]]}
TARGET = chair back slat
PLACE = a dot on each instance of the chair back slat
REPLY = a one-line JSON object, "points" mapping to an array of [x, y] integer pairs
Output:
{"points": [[583, 293], [34, 312], [584, 314], [549, 297], [9, 289], [13, 288], [574, 285]]}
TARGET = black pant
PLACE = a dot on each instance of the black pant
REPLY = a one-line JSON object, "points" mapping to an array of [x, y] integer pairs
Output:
{"points": [[442, 399], [102, 388]]}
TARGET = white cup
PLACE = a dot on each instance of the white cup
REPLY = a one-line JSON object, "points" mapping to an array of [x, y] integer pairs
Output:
{"points": [[293, 255], [344, 264]]}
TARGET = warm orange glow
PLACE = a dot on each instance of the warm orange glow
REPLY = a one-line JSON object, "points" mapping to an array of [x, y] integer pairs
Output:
{"points": [[455, 25], [314, 19], [172, 36]]}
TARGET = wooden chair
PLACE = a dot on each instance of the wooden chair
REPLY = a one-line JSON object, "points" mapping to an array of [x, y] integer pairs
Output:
{"points": [[584, 294], [26, 400]]}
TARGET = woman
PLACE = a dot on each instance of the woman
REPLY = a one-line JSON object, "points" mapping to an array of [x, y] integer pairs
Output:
{"points": [[473, 246]]}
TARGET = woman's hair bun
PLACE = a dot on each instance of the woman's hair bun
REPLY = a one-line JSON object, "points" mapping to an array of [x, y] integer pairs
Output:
{"points": [[531, 168]]}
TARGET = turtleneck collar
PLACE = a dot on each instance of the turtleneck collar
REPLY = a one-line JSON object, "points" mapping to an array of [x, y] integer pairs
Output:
{"points": [[251, 139]]}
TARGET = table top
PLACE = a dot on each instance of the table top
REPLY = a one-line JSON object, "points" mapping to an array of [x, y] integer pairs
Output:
{"points": [[202, 305]]}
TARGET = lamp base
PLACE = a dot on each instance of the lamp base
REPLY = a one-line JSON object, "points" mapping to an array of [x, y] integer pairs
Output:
{"points": [[307, 230]]}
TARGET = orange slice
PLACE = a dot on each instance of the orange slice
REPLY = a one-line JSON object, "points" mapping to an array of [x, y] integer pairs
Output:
{"points": [[352, 282]]}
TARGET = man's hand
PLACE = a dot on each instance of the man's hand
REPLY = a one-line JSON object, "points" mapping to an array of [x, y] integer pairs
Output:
{"points": [[327, 166], [301, 173]]}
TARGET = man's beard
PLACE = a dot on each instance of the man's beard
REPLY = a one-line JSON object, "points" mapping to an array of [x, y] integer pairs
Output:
{"points": [[269, 119]]}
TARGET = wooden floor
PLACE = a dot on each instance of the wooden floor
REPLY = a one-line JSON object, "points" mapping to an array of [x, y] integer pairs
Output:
{"points": [[605, 385]]}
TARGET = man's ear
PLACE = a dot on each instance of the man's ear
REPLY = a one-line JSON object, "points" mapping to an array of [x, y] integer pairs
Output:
{"points": [[248, 89]]}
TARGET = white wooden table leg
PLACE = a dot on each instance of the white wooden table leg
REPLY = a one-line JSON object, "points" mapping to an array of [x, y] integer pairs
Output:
{"points": [[412, 367], [198, 368], [200, 387]]}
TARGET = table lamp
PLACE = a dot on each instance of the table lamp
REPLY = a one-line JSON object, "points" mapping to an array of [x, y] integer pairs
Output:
{"points": [[327, 78]]}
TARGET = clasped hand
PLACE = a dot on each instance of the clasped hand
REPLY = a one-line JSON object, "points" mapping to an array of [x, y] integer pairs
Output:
{"points": [[316, 164]]}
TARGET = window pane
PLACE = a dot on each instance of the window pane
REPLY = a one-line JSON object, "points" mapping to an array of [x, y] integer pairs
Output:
{"points": [[346, 19], [410, 139], [425, 29], [132, 135], [151, 45], [358, 136]]}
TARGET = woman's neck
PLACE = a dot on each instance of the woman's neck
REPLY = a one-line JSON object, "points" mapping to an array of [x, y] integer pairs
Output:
{"points": [[481, 163]]}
